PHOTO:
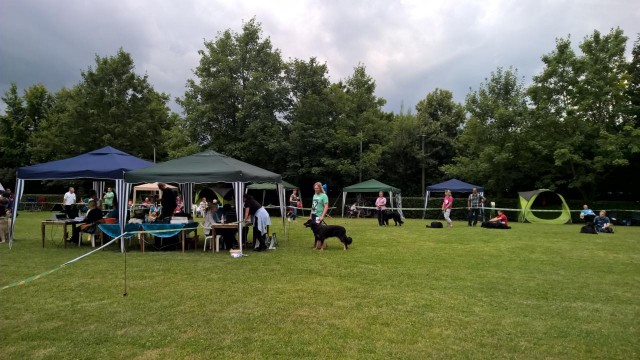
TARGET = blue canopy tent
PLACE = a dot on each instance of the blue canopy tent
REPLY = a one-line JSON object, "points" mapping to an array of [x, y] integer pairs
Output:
{"points": [[454, 185], [103, 164]]}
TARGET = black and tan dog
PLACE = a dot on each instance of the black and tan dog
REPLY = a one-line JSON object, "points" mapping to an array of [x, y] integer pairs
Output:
{"points": [[590, 228], [323, 232], [397, 219]]}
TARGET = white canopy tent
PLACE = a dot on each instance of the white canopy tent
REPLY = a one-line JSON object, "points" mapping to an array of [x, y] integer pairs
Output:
{"points": [[149, 187]]}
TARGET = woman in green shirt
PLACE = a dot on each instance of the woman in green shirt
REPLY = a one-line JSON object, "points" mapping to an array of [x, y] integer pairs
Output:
{"points": [[320, 203]]}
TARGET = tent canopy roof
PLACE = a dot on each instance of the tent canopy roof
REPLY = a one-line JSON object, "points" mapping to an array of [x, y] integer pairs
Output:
{"points": [[527, 195], [371, 185], [454, 185], [150, 187], [205, 167], [270, 186], [105, 163]]}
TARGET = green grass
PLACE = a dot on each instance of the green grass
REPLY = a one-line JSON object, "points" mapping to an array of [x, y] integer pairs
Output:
{"points": [[405, 292]]}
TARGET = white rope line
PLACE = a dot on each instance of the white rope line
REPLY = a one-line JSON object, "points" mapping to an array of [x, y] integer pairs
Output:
{"points": [[495, 208]]}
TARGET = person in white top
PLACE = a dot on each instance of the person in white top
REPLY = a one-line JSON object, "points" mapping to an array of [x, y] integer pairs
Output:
{"points": [[69, 202]]}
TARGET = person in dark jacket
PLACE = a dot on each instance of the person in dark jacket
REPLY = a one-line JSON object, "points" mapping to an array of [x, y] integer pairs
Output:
{"points": [[168, 201]]}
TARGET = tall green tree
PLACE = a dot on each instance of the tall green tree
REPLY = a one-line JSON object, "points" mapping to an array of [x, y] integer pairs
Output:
{"points": [[441, 122], [360, 124], [492, 149], [111, 106], [580, 108], [403, 153], [310, 110], [22, 119], [236, 104]]}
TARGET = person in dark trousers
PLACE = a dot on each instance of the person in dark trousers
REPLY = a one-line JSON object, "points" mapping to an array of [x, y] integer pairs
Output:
{"points": [[168, 201], [256, 213], [474, 205]]}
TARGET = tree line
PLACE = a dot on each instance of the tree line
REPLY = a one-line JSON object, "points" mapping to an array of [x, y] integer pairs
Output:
{"points": [[575, 128]]}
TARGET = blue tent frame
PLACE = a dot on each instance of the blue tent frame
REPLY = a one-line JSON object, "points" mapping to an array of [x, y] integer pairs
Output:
{"points": [[107, 163], [454, 185]]}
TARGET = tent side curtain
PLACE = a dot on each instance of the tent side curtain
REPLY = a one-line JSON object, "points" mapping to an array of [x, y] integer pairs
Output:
{"points": [[14, 211], [122, 193], [238, 189]]}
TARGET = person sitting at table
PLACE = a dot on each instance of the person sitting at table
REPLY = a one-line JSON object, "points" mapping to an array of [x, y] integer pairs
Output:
{"points": [[146, 202], [179, 205], [211, 216], [228, 235], [202, 207], [93, 195], [90, 222], [154, 212]]}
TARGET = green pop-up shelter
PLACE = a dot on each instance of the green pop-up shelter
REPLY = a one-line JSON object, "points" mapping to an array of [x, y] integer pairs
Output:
{"points": [[373, 185], [210, 167], [540, 199]]}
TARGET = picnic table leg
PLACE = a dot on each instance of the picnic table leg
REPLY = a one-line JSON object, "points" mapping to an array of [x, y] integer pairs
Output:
{"points": [[64, 234], [213, 239], [42, 229], [183, 237]]}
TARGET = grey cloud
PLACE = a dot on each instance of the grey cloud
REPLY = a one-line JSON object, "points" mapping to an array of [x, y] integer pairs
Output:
{"points": [[408, 47]]}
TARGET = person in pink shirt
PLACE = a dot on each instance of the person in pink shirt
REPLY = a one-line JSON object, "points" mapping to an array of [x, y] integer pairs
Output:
{"points": [[381, 205], [447, 204]]}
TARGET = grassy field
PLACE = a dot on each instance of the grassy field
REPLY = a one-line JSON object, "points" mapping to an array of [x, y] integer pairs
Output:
{"points": [[405, 292]]}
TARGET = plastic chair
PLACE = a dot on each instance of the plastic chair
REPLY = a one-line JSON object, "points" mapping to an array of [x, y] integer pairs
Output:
{"points": [[210, 237], [4, 229], [92, 237]]}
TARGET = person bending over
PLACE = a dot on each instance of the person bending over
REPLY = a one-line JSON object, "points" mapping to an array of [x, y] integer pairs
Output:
{"points": [[256, 213]]}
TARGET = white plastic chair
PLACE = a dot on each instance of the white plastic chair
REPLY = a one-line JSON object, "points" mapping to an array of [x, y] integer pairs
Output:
{"points": [[92, 237], [210, 237]]}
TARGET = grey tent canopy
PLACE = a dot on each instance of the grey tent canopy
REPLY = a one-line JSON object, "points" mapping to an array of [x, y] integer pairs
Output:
{"points": [[373, 185]]}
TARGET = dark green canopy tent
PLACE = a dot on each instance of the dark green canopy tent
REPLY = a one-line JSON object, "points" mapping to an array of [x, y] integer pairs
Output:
{"points": [[205, 167], [270, 186], [373, 185], [209, 167]]}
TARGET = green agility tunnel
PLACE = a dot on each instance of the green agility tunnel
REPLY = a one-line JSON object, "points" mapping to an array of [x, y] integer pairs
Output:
{"points": [[549, 207]]}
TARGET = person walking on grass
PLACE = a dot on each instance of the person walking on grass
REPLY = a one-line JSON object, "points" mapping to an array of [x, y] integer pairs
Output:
{"points": [[447, 204], [381, 206], [474, 204]]}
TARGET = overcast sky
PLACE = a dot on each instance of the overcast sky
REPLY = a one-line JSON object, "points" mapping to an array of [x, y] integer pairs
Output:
{"points": [[409, 48]]}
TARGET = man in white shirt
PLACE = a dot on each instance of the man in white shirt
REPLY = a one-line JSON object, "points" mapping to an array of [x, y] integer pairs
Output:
{"points": [[69, 202]]}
